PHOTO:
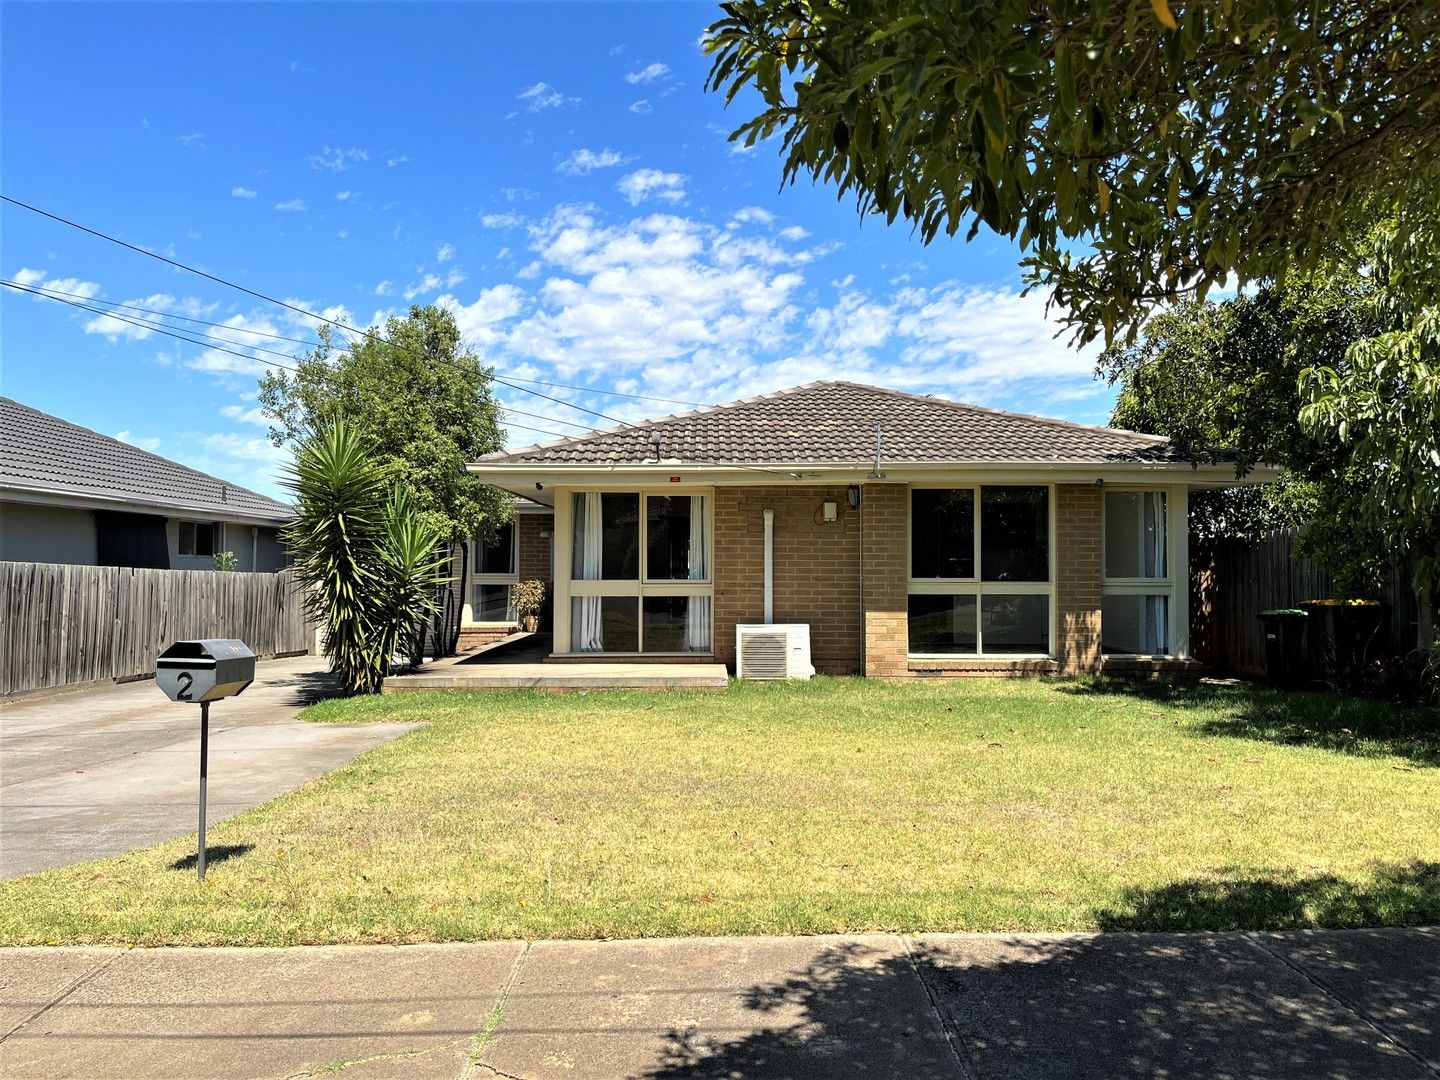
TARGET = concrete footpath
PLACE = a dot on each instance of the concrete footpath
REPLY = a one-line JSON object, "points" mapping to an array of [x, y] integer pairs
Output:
{"points": [[113, 768], [1305, 1004]]}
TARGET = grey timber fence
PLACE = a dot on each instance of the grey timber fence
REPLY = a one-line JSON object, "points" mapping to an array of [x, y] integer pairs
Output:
{"points": [[72, 625]]}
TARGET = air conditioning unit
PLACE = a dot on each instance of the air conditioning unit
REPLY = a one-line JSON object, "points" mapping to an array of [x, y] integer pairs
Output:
{"points": [[773, 651]]}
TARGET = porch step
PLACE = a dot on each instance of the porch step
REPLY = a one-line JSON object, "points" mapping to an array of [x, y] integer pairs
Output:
{"points": [[498, 675]]}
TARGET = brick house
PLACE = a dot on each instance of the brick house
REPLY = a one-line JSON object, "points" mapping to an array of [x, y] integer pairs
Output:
{"points": [[914, 535]]}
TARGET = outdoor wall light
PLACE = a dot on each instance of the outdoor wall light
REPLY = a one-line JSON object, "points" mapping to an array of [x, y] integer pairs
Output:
{"points": [[852, 496]]}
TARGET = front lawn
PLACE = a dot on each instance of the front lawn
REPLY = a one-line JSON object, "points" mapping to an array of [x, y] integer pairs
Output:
{"points": [[837, 805]]}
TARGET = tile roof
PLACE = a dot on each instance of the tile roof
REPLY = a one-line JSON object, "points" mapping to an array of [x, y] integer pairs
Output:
{"points": [[836, 422], [43, 453]]}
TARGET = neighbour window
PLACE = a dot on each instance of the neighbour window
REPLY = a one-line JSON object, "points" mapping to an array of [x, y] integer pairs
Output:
{"points": [[1138, 589], [492, 587], [201, 538], [640, 573], [1005, 608]]}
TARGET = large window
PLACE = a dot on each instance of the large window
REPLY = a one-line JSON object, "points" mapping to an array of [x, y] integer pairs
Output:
{"points": [[1138, 590], [640, 573], [492, 586], [1004, 610]]}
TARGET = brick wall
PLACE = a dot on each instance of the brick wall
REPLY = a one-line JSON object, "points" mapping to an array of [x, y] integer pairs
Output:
{"points": [[1078, 577], [533, 558], [887, 636], [817, 570]]}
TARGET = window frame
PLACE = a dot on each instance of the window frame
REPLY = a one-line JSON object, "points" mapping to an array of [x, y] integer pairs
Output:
{"points": [[976, 585], [217, 538], [1177, 554], [508, 579], [568, 588]]}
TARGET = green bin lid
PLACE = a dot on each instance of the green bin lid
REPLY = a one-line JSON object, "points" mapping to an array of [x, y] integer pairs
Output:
{"points": [[1287, 611]]}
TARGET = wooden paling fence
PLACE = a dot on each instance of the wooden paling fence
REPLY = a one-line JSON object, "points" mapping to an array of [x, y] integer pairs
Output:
{"points": [[1232, 581], [70, 625]]}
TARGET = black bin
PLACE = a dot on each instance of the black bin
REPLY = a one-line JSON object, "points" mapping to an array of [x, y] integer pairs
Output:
{"points": [[1285, 658]]}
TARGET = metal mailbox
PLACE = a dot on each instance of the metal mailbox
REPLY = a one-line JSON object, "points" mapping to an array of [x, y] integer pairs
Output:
{"points": [[205, 670]]}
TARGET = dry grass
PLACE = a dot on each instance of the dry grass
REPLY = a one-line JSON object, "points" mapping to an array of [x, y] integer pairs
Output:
{"points": [[831, 806]]}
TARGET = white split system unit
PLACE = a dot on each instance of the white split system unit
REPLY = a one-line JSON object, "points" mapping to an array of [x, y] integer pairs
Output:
{"points": [[773, 651]]}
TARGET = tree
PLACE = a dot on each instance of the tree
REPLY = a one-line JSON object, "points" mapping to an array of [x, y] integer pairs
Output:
{"points": [[1255, 374], [418, 399], [1138, 150], [370, 564]]}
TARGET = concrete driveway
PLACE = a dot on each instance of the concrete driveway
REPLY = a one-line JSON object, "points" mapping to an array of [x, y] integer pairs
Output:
{"points": [[1285, 1006], [103, 771]]}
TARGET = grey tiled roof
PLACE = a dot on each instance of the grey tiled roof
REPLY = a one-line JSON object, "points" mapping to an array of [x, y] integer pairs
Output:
{"points": [[835, 422], [43, 453]]}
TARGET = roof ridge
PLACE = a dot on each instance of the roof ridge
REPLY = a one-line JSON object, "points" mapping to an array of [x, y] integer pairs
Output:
{"points": [[132, 448]]}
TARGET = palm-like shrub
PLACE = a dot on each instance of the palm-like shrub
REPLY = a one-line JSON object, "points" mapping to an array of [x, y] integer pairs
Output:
{"points": [[369, 565]]}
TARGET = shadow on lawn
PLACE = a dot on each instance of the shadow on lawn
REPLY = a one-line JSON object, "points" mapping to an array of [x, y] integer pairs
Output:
{"points": [[1403, 894], [1326, 721], [214, 853], [1094, 1007]]}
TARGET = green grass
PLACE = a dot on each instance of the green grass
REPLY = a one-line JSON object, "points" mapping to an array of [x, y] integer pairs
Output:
{"points": [[837, 805]]}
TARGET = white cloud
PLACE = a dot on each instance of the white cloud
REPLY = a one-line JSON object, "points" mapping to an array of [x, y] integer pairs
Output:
{"points": [[641, 107], [195, 138], [445, 253], [753, 215], [652, 184], [243, 192], [543, 96], [429, 283], [347, 195], [480, 322], [383, 289], [37, 279], [584, 161], [292, 205], [399, 159], [648, 74], [793, 232], [336, 159], [501, 221], [252, 415], [152, 444]]}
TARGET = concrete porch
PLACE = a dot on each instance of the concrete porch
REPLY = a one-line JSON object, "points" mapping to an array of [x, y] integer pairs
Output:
{"points": [[519, 663]]}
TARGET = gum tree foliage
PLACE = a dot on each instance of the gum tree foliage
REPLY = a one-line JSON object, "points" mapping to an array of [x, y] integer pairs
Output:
{"points": [[420, 401], [370, 563], [1138, 150]]}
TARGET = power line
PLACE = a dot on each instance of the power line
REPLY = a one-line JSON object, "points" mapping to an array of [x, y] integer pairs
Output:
{"points": [[550, 419], [203, 343], [333, 322]]}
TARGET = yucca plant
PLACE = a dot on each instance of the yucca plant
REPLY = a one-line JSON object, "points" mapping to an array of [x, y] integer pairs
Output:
{"points": [[414, 565], [340, 527]]}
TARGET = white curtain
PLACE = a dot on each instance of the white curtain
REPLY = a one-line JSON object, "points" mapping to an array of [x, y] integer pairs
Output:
{"points": [[697, 611], [587, 631], [1152, 534], [1155, 625]]}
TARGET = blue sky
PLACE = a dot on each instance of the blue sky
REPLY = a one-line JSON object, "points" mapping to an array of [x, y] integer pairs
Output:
{"points": [[554, 173]]}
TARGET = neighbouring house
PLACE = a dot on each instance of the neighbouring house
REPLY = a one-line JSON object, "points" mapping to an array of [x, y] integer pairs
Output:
{"points": [[915, 536], [72, 495]]}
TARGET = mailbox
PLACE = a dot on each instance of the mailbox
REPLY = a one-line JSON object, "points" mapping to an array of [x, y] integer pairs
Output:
{"points": [[206, 670]]}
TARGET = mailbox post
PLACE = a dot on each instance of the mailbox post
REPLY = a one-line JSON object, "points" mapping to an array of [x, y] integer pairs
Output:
{"points": [[203, 671]]}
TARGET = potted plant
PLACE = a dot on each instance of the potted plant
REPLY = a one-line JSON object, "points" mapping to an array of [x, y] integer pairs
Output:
{"points": [[529, 603]]}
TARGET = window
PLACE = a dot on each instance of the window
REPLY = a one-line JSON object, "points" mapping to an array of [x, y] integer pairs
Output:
{"points": [[201, 538], [640, 573], [1138, 590], [492, 583], [1004, 531]]}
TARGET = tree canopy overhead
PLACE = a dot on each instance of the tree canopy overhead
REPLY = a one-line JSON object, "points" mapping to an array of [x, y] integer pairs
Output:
{"points": [[1139, 150], [420, 401]]}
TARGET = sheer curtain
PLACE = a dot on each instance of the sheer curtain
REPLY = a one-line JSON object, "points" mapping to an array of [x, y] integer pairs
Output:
{"points": [[1155, 616], [587, 630], [697, 611]]}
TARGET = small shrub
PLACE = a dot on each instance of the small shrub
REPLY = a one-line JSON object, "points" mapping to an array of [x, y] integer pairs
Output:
{"points": [[530, 599], [225, 560]]}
